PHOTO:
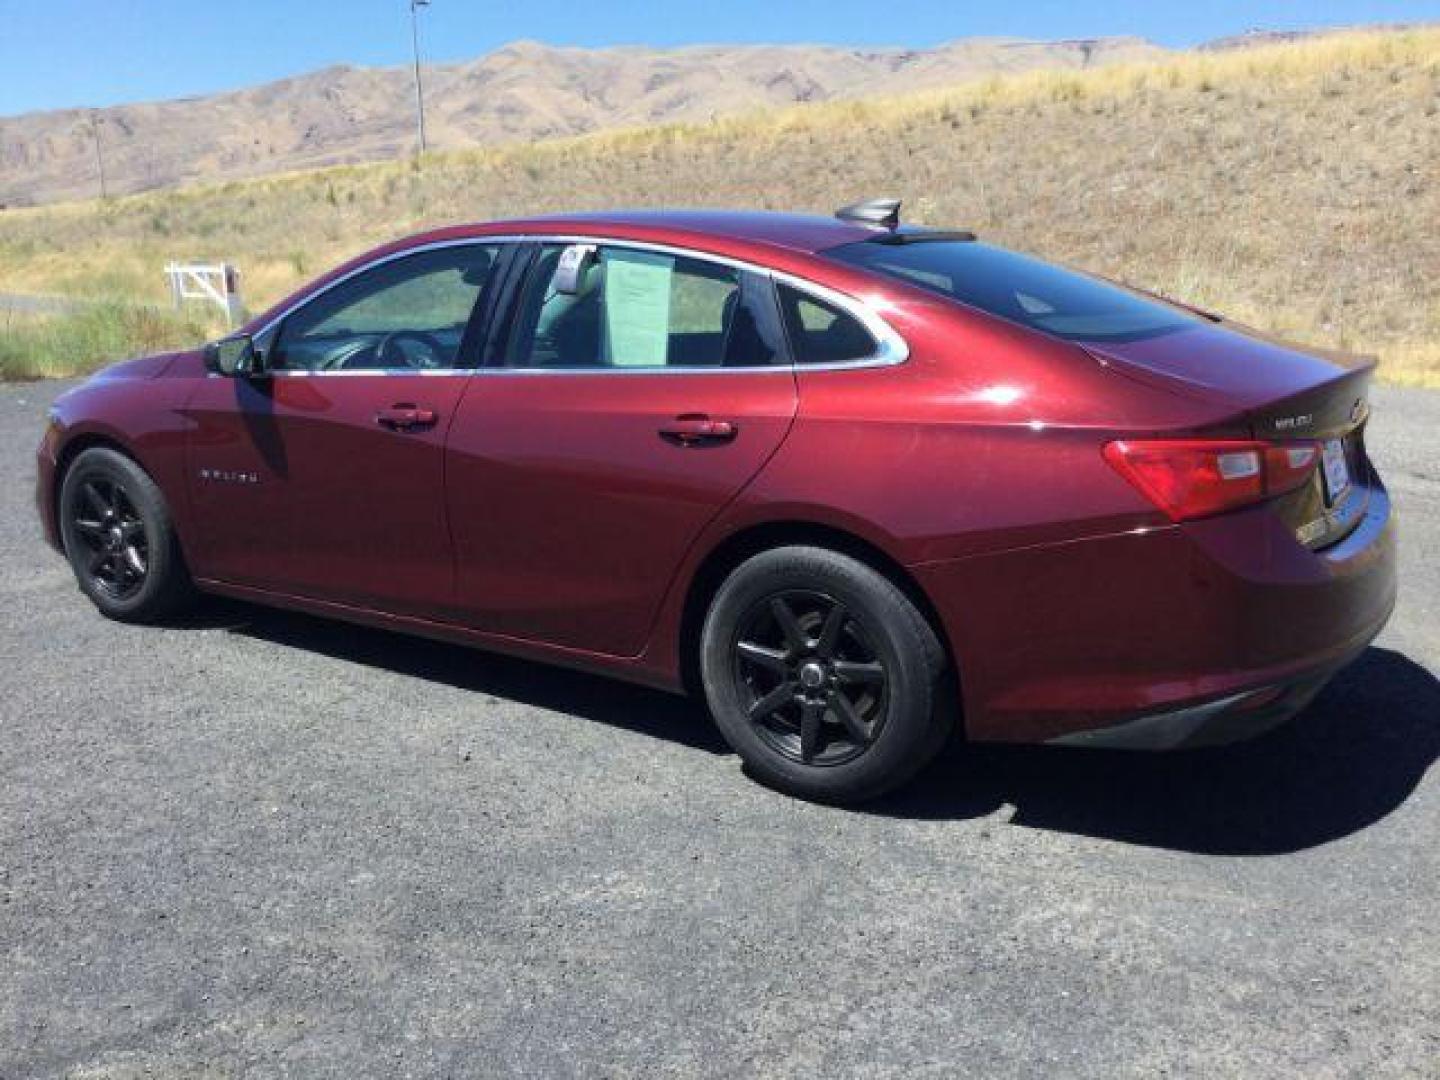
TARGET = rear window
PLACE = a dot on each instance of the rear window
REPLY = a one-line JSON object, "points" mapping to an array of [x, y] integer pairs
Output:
{"points": [[1021, 289]]}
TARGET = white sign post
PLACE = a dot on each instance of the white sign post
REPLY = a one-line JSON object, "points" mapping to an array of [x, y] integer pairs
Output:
{"points": [[217, 283]]}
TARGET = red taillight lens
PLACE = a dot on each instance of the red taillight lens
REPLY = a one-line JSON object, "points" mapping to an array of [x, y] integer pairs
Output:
{"points": [[1190, 478]]}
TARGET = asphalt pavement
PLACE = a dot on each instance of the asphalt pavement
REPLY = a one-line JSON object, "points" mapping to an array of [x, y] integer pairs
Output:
{"points": [[261, 844]]}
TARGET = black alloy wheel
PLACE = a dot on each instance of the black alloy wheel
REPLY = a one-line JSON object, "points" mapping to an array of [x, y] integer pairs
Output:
{"points": [[118, 536], [812, 683], [824, 674], [116, 552]]}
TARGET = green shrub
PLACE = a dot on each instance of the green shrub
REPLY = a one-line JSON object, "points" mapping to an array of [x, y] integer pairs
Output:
{"points": [[88, 338]]}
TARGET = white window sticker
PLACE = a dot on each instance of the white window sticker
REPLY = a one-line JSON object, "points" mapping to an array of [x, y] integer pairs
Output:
{"points": [[637, 308]]}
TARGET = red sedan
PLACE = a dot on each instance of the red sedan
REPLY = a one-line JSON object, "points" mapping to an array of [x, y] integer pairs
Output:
{"points": [[860, 484]]}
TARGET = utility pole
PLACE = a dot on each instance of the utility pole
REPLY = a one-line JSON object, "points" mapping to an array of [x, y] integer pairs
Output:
{"points": [[415, 6], [99, 151]]}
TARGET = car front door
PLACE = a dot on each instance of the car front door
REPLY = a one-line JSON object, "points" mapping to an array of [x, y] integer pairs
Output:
{"points": [[638, 392], [324, 477]]}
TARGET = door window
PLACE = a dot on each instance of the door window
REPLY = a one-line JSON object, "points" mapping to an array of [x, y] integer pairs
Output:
{"points": [[409, 313], [626, 308]]}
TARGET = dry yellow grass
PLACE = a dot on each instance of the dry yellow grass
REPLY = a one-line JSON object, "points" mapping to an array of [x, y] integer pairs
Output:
{"points": [[1295, 187]]}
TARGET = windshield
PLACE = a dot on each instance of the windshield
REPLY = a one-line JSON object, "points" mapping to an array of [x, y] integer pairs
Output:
{"points": [[1024, 290]]}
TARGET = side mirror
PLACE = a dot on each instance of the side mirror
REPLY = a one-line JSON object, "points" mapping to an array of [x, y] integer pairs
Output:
{"points": [[234, 357]]}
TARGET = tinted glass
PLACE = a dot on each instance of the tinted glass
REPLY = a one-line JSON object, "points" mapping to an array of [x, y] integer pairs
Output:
{"points": [[407, 313], [643, 309], [820, 333], [1021, 289]]}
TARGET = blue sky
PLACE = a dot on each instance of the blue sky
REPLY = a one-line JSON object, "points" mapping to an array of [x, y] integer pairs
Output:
{"points": [[62, 53]]}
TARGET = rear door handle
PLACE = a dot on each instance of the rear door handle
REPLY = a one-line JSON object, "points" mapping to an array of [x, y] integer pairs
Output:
{"points": [[697, 429], [406, 417]]}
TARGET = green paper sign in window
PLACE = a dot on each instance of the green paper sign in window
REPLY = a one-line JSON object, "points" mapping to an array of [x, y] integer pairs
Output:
{"points": [[637, 308]]}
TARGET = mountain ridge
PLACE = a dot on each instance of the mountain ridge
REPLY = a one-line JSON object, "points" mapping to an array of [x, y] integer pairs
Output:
{"points": [[522, 91]]}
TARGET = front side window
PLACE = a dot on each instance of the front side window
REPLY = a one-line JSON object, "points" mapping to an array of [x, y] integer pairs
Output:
{"points": [[628, 309], [1036, 294], [410, 312]]}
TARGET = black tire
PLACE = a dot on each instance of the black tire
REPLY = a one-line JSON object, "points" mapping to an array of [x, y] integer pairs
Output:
{"points": [[851, 635], [119, 539]]}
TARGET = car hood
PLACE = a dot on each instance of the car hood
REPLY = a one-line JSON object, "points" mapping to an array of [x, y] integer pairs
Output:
{"points": [[140, 367]]}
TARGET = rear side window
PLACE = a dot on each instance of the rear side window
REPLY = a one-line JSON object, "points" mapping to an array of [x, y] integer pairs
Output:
{"points": [[1036, 294], [626, 308], [820, 332]]}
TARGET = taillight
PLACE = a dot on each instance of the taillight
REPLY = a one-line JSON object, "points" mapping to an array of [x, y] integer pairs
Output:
{"points": [[1190, 478]]}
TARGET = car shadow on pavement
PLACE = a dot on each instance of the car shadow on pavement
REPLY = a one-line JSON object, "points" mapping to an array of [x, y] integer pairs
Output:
{"points": [[1351, 758], [1347, 761], [635, 708]]}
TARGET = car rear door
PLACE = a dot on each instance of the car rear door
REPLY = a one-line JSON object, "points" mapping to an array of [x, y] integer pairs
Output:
{"points": [[637, 391], [325, 477]]}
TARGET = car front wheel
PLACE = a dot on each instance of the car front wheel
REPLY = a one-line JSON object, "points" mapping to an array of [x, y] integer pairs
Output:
{"points": [[119, 538], [823, 675]]}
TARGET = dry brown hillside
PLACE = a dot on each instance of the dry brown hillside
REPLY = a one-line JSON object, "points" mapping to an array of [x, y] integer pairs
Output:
{"points": [[1294, 186], [522, 92]]}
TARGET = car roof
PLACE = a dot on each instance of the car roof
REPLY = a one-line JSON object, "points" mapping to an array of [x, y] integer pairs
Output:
{"points": [[807, 233], [778, 239]]}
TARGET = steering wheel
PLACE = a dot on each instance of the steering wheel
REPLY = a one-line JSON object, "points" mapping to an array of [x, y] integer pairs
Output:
{"points": [[388, 353]]}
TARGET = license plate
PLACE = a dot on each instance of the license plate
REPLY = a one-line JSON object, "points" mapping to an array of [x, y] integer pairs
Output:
{"points": [[1335, 470]]}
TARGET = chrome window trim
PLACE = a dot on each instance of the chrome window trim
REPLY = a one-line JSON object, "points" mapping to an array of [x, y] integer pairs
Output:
{"points": [[891, 348], [758, 369], [293, 373]]}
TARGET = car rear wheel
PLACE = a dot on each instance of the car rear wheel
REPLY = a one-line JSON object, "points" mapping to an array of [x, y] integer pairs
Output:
{"points": [[119, 539], [823, 675]]}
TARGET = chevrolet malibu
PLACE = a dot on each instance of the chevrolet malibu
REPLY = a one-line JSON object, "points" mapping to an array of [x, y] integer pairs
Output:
{"points": [[861, 485]]}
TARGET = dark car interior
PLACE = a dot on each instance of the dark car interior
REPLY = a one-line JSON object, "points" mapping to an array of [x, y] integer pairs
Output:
{"points": [[711, 320]]}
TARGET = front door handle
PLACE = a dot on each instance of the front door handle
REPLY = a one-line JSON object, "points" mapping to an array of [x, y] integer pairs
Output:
{"points": [[697, 429], [406, 417]]}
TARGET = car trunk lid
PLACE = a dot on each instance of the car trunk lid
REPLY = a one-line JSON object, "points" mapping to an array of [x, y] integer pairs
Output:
{"points": [[1282, 393]]}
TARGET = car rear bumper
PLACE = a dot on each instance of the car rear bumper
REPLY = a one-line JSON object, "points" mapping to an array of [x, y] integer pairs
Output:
{"points": [[1212, 723], [1175, 636]]}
